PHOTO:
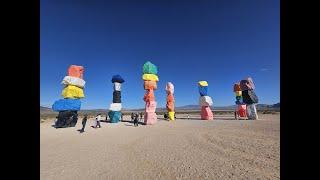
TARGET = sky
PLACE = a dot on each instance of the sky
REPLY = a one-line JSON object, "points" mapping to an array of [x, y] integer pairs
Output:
{"points": [[219, 41]]}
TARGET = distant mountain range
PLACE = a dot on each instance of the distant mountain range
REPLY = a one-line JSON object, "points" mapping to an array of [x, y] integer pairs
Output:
{"points": [[259, 107], [46, 110]]}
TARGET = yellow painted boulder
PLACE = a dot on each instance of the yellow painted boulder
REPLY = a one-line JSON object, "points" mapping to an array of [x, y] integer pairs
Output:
{"points": [[150, 77], [72, 92]]}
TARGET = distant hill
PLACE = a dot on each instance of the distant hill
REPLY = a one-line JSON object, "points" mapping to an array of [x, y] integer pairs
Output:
{"points": [[276, 105], [266, 106], [231, 107], [188, 107], [46, 110], [259, 107]]}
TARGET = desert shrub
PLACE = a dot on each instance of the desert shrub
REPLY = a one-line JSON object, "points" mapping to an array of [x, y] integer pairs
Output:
{"points": [[268, 112]]}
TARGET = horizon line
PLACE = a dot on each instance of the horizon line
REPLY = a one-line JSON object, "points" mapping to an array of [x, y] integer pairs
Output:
{"points": [[162, 107]]}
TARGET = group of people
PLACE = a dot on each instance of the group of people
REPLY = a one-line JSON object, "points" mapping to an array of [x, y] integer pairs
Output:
{"points": [[135, 118], [98, 119], [96, 124]]}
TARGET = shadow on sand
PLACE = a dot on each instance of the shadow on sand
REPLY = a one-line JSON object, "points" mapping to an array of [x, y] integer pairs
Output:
{"points": [[214, 118], [131, 122], [105, 121], [128, 121]]}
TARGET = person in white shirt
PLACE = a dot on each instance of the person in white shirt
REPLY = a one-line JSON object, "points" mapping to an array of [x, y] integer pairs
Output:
{"points": [[55, 121], [97, 121]]}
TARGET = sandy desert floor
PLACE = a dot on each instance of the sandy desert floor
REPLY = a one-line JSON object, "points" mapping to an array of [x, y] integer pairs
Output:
{"points": [[183, 149]]}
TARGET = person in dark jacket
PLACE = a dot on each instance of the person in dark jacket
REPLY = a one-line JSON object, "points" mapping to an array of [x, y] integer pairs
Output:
{"points": [[165, 116], [136, 119], [249, 98], [84, 122]]}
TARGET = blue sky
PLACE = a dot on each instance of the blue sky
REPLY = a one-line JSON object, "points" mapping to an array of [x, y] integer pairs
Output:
{"points": [[221, 42]]}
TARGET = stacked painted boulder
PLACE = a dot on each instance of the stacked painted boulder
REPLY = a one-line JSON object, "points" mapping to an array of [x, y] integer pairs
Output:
{"points": [[241, 107], [170, 100], [116, 106], [205, 101], [150, 78], [72, 93]]}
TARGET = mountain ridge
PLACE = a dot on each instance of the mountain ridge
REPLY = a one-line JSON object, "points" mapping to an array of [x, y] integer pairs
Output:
{"points": [[185, 107]]}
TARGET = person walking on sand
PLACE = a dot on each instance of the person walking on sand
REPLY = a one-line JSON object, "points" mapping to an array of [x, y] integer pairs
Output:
{"points": [[136, 119], [188, 116], [98, 118], [84, 122], [55, 121]]}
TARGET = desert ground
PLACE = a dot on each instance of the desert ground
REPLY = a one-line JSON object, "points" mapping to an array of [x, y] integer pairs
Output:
{"points": [[223, 148]]}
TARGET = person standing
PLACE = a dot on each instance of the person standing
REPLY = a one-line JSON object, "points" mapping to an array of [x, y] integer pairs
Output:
{"points": [[84, 122], [165, 116], [136, 119], [98, 118], [55, 121], [249, 97]]}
